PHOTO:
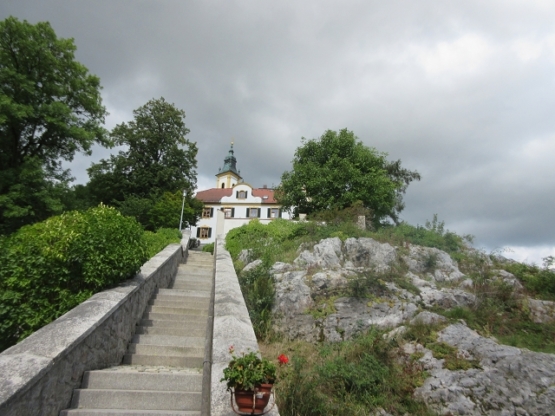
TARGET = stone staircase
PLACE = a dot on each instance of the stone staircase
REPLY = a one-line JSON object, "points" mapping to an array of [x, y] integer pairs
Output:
{"points": [[161, 372]]}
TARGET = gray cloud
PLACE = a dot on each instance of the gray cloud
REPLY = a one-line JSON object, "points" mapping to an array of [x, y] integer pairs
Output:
{"points": [[463, 92]]}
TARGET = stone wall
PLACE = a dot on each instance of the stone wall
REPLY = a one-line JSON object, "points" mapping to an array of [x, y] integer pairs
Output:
{"points": [[38, 375], [232, 326]]}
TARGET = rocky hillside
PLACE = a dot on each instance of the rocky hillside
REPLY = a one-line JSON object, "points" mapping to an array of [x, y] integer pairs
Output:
{"points": [[336, 289]]}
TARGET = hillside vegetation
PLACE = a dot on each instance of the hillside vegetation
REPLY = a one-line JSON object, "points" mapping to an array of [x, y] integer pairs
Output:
{"points": [[366, 371]]}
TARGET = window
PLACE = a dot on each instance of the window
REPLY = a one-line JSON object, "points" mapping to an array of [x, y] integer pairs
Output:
{"points": [[241, 194], [207, 212], [204, 232], [229, 212], [274, 213], [253, 212], [223, 185]]}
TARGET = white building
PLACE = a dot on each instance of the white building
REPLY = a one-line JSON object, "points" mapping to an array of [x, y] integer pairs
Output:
{"points": [[233, 203]]}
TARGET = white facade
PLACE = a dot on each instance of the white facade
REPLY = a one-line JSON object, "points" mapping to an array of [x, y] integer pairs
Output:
{"points": [[244, 204], [233, 203]]}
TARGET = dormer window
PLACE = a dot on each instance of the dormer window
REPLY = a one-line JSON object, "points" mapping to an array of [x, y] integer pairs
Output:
{"points": [[241, 194]]}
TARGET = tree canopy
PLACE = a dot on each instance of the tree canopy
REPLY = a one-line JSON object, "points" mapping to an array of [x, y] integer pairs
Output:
{"points": [[337, 170], [50, 108], [158, 159]]}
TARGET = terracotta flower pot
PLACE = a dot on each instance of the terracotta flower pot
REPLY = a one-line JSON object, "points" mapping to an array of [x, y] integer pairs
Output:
{"points": [[253, 402]]}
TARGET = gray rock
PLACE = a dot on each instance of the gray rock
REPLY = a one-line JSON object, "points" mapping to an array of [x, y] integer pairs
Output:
{"points": [[446, 298], [251, 266], [467, 284], [541, 311], [511, 381], [280, 267], [508, 278], [428, 318], [245, 256], [357, 315], [369, 253], [292, 293], [437, 263], [397, 332], [326, 254], [329, 280]]}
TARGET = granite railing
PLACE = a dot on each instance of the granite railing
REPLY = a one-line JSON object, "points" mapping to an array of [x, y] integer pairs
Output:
{"points": [[38, 375], [232, 326]]}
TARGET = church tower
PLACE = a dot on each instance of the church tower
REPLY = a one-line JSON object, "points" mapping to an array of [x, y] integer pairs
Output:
{"points": [[228, 176]]}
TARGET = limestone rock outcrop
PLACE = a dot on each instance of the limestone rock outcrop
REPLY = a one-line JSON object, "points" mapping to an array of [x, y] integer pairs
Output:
{"points": [[337, 289]]}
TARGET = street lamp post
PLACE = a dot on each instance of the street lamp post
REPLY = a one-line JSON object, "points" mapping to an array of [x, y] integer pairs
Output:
{"points": [[182, 206]]}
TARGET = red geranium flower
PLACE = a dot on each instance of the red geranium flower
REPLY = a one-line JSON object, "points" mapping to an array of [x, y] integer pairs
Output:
{"points": [[283, 359]]}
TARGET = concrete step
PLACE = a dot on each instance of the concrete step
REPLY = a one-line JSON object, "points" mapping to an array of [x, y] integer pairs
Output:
{"points": [[193, 280], [193, 270], [181, 311], [183, 292], [135, 399], [189, 277], [161, 374], [196, 286], [164, 360], [165, 350], [156, 316], [168, 323], [180, 296], [127, 412], [179, 341], [135, 380], [182, 332], [180, 303]]}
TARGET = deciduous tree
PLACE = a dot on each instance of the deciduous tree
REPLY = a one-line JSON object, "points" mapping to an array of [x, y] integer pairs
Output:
{"points": [[337, 170], [50, 108], [158, 159]]}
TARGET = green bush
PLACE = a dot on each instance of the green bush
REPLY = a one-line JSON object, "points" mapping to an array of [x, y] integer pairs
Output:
{"points": [[258, 290], [538, 280], [48, 268], [433, 234], [157, 241], [208, 248], [354, 377]]}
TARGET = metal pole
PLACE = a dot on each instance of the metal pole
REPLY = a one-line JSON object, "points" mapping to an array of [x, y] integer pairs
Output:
{"points": [[182, 206]]}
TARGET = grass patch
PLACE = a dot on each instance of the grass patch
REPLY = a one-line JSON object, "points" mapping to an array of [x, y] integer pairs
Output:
{"points": [[511, 325], [353, 377], [257, 286]]}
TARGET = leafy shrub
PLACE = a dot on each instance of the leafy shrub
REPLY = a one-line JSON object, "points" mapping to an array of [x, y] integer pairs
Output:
{"points": [[433, 234], [50, 267], [258, 290], [157, 241], [538, 280], [208, 248], [354, 377]]}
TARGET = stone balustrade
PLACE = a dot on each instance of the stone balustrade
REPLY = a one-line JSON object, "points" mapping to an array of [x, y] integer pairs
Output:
{"points": [[38, 375]]}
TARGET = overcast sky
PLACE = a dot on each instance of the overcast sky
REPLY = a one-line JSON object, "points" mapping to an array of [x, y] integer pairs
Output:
{"points": [[461, 91]]}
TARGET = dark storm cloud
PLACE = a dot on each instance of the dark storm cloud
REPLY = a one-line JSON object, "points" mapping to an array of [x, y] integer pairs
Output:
{"points": [[463, 92]]}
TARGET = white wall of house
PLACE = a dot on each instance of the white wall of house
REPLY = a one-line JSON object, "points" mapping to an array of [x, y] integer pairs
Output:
{"points": [[236, 210]]}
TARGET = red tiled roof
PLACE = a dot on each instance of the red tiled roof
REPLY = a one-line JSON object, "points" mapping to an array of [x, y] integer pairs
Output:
{"points": [[213, 194], [216, 195], [262, 192]]}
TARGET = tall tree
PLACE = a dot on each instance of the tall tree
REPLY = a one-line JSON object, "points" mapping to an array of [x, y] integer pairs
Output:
{"points": [[337, 170], [158, 159], [50, 108]]}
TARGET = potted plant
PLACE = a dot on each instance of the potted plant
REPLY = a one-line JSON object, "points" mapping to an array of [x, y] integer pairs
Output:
{"points": [[250, 380]]}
